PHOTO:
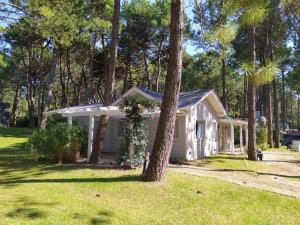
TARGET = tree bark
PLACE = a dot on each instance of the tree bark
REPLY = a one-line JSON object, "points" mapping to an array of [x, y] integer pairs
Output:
{"points": [[14, 107], [268, 106], [147, 69], [283, 101], [109, 84], [50, 84], [298, 110], [164, 136], [158, 66], [224, 91], [245, 99], [251, 100], [276, 114]]}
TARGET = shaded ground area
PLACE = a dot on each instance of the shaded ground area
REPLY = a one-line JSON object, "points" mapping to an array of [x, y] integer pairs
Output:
{"points": [[279, 172], [33, 192]]}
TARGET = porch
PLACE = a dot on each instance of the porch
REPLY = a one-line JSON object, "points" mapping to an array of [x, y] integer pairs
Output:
{"points": [[232, 132]]}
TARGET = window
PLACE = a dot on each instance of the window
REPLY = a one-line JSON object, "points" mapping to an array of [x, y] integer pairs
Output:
{"points": [[120, 128], [176, 131], [200, 129]]}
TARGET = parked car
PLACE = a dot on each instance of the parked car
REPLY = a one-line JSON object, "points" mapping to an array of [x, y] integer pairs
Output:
{"points": [[289, 138]]}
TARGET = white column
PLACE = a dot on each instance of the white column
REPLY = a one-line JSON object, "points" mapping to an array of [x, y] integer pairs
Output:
{"points": [[246, 135], [241, 139], [69, 120], [91, 137], [231, 136]]}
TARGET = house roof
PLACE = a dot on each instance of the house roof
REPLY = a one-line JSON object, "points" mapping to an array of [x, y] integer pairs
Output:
{"points": [[186, 99]]}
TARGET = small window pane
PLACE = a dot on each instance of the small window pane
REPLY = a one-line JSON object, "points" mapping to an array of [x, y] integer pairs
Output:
{"points": [[120, 128]]}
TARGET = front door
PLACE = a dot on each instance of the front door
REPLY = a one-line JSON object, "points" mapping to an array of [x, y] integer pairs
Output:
{"points": [[200, 134]]}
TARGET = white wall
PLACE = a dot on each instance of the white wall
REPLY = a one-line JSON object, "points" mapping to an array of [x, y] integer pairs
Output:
{"points": [[179, 148], [202, 112]]}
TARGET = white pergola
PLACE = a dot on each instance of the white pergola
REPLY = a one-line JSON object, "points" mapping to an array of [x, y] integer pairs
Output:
{"points": [[95, 110], [242, 124]]}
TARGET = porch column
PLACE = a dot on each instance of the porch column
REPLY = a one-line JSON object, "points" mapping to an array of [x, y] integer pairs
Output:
{"points": [[246, 135], [70, 120], [231, 136], [90, 137], [241, 139]]}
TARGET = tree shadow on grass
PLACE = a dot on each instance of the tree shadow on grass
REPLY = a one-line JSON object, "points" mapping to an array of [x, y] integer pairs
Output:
{"points": [[30, 213], [28, 208], [120, 179], [102, 217]]}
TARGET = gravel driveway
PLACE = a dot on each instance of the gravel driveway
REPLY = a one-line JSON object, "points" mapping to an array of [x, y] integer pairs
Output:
{"points": [[278, 178]]}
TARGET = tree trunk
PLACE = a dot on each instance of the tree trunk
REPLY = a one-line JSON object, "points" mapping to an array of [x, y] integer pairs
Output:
{"points": [[224, 91], [125, 79], [158, 67], [146, 69], [245, 99], [14, 107], [109, 84], [276, 114], [31, 113], [251, 100], [298, 110], [283, 104], [165, 130], [269, 115], [50, 84]]}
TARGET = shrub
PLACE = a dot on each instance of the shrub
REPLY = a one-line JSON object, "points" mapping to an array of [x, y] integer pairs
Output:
{"points": [[178, 160], [59, 142], [136, 138], [262, 138]]}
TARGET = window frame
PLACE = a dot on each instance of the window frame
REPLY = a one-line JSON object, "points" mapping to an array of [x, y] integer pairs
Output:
{"points": [[118, 125]]}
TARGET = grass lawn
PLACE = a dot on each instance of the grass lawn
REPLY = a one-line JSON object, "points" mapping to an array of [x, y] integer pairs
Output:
{"points": [[230, 162], [37, 193]]}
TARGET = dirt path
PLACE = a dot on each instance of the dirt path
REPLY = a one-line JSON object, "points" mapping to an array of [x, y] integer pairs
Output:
{"points": [[275, 179]]}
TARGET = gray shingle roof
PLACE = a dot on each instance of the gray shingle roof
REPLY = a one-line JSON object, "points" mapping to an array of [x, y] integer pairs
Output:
{"points": [[185, 98]]}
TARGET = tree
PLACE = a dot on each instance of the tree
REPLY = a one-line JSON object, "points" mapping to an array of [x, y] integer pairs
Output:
{"points": [[165, 130], [109, 84]]}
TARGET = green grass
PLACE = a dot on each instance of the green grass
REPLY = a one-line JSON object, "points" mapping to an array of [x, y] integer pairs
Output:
{"points": [[37, 193], [230, 162]]}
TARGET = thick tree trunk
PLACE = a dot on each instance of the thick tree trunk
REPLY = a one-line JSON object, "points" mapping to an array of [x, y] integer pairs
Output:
{"points": [[251, 100], [50, 84], [109, 84], [224, 91], [276, 114], [165, 130], [14, 107]]}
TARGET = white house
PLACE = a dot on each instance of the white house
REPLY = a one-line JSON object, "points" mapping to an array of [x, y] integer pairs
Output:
{"points": [[202, 126]]}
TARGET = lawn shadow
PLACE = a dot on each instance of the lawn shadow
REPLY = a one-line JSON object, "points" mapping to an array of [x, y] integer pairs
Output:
{"points": [[102, 217], [120, 179], [30, 213]]}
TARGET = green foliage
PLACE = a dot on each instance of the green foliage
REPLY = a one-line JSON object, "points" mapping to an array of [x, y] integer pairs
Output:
{"points": [[135, 132], [262, 138], [58, 142], [261, 75]]}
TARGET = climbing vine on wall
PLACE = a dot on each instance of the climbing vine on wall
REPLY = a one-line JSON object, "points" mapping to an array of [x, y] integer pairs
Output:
{"points": [[136, 138]]}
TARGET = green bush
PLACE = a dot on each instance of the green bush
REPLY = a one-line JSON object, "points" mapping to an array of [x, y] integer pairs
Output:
{"points": [[59, 142], [262, 138]]}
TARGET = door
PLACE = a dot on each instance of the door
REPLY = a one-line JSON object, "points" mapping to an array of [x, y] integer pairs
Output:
{"points": [[200, 135]]}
